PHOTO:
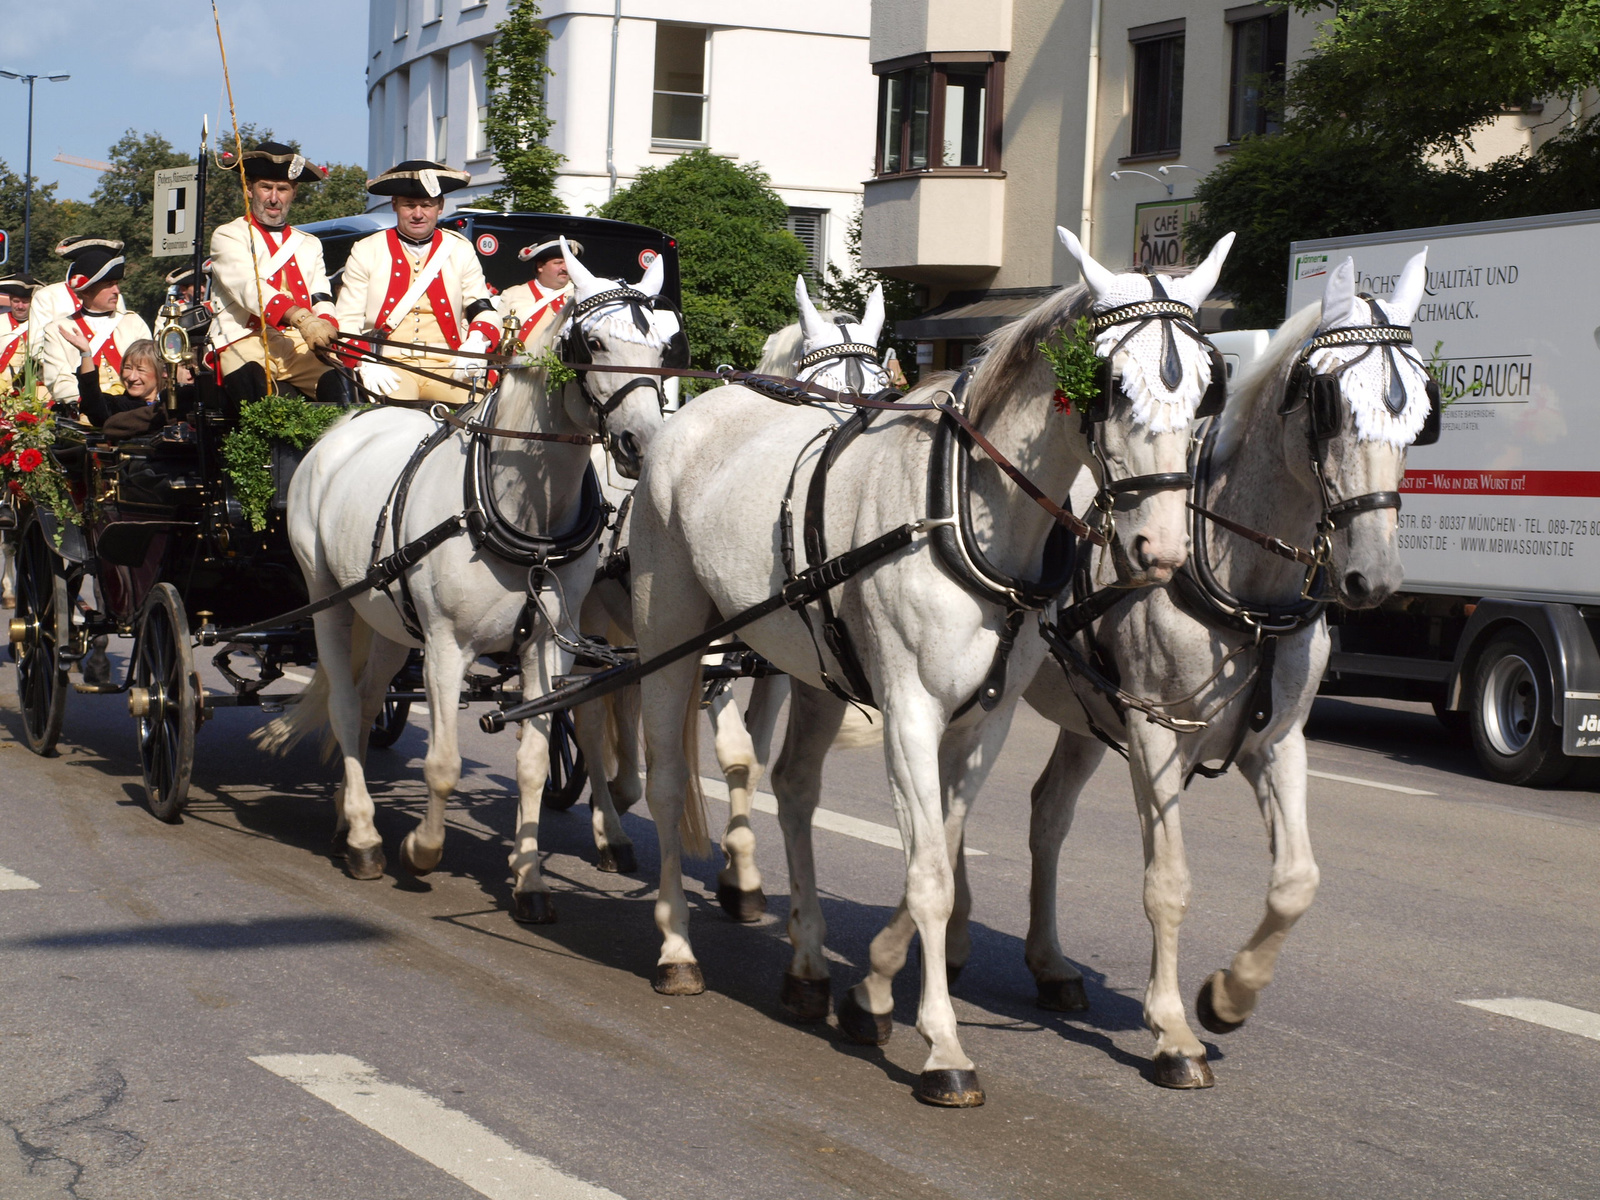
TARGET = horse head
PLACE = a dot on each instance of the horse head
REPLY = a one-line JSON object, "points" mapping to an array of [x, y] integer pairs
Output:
{"points": [[1359, 396], [612, 323], [1159, 367], [854, 366]]}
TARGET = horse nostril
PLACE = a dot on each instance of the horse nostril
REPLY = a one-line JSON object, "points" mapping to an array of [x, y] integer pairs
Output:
{"points": [[1141, 552], [1355, 586], [625, 450]]}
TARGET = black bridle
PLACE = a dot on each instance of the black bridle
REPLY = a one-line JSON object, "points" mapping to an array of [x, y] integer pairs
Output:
{"points": [[851, 354], [575, 348]]}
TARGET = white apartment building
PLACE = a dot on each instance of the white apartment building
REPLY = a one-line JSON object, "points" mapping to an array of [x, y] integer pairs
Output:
{"points": [[784, 84]]}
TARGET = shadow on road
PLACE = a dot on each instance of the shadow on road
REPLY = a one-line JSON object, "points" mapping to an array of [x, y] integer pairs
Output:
{"points": [[261, 933]]}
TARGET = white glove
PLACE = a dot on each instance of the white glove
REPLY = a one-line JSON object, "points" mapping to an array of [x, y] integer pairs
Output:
{"points": [[476, 343], [376, 377]]}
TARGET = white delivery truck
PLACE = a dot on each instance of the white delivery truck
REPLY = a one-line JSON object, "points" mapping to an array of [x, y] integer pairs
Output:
{"points": [[1500, 528]]}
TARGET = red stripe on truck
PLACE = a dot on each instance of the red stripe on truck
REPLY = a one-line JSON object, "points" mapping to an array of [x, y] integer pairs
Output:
{"points": [[1502, 483]]}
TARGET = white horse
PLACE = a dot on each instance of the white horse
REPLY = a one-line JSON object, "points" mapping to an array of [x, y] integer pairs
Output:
{"points": [[608, 730], [709, 525], [1260, 468], [470, 596]]}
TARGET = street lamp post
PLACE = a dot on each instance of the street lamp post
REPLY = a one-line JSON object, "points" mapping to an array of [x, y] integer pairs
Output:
{"points": [[27, 176]]}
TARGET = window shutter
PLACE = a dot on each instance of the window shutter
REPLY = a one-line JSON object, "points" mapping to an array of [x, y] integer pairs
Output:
{"points": [[807, 225]]}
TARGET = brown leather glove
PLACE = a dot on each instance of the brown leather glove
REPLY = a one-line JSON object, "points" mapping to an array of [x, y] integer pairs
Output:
{"points": [[316, 331]]}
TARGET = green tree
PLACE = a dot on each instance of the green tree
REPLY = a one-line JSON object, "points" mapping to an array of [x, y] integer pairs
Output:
{"points": [[120, 207], [847, 291], [737, 260], [47, 226], [515, 70], [1380, 117]]}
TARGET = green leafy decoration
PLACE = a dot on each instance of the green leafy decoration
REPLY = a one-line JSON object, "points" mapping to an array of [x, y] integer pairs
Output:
{"points": [[247, 451], [1076, 365], [557, 374], [1448, 395]]}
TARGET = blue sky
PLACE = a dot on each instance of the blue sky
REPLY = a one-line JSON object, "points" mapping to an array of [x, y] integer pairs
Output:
{"points": [[152, 65]]}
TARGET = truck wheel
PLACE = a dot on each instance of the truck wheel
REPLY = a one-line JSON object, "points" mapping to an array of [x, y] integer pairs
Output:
{"points": [[1512, 700]]}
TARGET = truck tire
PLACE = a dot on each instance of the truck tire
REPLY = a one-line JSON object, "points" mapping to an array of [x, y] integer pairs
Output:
{"points": [[1513, 697]]}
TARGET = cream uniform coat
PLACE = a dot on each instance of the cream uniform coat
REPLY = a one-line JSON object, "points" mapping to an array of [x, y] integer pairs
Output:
{"points": [[14, 348], [108, 335], [291, 271], [379, 279], [49, 302], [532, 305]]}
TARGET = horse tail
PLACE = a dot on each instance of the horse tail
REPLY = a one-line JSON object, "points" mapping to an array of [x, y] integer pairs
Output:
{"points": [[309, 713], [610, 757], [695, 825], [860, 730]]}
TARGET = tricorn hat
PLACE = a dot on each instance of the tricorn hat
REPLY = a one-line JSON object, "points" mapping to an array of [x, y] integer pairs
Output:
{"points": [[185, 274], [419, 179], [70, 247], [18, 285], [274, 160], [93, 265], [545, 251]]}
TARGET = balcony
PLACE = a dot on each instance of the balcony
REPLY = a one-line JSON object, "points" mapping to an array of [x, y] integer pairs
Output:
{"points": [[935, 228]]}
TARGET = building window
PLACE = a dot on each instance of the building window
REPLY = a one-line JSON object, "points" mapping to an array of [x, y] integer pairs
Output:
{"points": [[1260, 49], [433, 12], [939, 114], [810, 226], [679, 114], [1158, 93], [402, 18], [441, 109]]}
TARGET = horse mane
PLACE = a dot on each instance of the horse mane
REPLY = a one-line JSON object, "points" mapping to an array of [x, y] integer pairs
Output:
{"points": [[524, 381], [781, 352], [1261, 381], [1011, 353]]}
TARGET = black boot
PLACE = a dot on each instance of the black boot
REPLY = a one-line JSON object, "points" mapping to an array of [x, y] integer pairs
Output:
{"points": [[337, 387], [241, 386]]}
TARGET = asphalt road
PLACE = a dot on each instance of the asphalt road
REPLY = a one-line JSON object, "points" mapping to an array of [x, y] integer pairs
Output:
{"points": [[214, 1009]]}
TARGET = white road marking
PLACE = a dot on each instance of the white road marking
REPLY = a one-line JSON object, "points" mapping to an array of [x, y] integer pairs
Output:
{"points": [[1371, 783], [420, 1123], [824, 818], [10, 881], [1544, 1012]]}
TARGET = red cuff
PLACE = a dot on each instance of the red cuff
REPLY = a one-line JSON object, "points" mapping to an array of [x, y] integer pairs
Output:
{"points": [[488, 328], [276, 308], [352, 359]]}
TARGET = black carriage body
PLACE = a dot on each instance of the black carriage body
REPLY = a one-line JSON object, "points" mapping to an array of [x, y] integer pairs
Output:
{"points": [[611, 249]]}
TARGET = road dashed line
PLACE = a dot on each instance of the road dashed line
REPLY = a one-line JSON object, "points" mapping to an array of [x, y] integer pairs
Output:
{"points": [[1371, 783], [422, 1124], [1543, 1012], [10, 881], [824, 818]]}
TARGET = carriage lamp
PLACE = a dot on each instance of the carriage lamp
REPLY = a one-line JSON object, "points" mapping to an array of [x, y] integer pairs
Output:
{"points": [[171, 340], [508, 336]]}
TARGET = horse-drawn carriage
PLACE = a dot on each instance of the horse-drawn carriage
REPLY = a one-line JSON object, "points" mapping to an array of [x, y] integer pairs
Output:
{"points": [[181, 567]]}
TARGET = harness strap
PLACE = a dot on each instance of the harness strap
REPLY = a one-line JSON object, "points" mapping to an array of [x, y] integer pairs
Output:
{"points": [[440, 413]]}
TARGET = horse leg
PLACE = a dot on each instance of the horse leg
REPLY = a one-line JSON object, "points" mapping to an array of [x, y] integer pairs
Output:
{"points": [[443, 665], [622, 734], [814, 718], [363, 847], [542, 661], [384, 660], [1055, 799], [613, 847], [1157, 772], [1278, 774], [739, 882]]}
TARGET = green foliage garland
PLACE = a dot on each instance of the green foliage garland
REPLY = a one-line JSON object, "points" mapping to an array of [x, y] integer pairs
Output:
{"points": [[556, 373], [1076, 365], [247, 451]]}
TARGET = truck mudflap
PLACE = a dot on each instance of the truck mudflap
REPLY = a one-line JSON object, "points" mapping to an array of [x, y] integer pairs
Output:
{"points": [[1568, 647]]}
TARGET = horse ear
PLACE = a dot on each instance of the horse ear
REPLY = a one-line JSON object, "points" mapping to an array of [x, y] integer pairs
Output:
{"points": [[654, 276], [1339, 297], [1402, 305], [1194, 287], [872, 319], [1097, 277], [582, 277], [811, 323]]}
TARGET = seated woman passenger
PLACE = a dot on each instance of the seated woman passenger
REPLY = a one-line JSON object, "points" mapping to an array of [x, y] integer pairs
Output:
{"points": [[141, 378]]}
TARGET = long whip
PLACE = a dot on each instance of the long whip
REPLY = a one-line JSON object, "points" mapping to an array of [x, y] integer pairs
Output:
{"points": [[244, 186]]}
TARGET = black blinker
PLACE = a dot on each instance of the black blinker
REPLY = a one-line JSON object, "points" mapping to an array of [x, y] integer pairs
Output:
{"points": [[1327, 407], [1216, 396], [1430, 426], [1106, 382]]}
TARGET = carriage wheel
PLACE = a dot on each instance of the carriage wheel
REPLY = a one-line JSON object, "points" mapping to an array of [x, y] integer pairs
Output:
{"points": [[40, 626], [564, 784], [164, 701], [388, 725]]}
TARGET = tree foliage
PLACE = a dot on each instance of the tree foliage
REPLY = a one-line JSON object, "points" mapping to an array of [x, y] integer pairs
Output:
{"points": [[515, 70], [737, 260], [1381, 116]]}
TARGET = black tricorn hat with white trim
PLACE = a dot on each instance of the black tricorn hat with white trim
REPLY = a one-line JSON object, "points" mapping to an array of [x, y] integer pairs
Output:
{"points": [[545, 251], [95, 265], [70, 247], [185, 274], [19, 285], [419, 179], [285, 164]]}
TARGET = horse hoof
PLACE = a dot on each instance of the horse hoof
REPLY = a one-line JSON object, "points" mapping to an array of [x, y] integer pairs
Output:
{"points": [[679, 979], [340, 846], [950, 1089], [1062, 995], [862, 1027], [1206, 1010], [1183, 1072], [805, 1000], [741, 905], [364, 862], [618, 860], [418, 862], [533, 908]]}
